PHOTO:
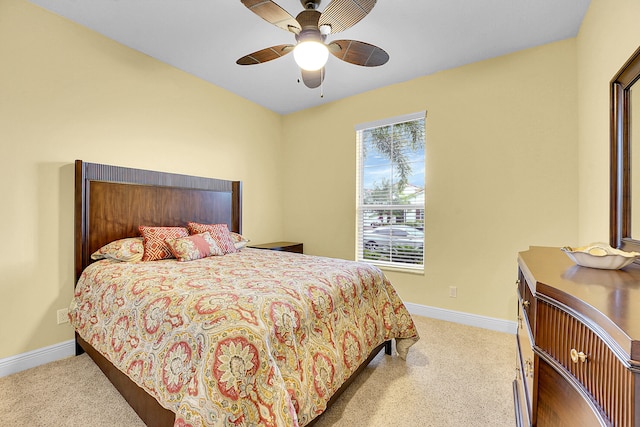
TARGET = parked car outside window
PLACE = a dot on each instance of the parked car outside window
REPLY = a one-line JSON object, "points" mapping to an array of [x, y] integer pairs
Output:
{"points": [[397, 241]]}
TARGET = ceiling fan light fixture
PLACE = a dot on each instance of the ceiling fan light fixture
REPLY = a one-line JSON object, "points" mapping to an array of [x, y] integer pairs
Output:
{"points": [[311, 55], [311, 28]]}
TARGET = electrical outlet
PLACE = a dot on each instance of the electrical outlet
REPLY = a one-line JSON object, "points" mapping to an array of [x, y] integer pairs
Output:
{"points": [[63, 316], [453, 291]]}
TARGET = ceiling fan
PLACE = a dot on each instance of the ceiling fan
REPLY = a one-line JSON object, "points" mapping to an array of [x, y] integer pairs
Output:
{"points": [[311, 28]]}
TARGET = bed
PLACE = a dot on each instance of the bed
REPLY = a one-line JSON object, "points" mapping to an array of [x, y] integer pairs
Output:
{"points": [[250, 337]]}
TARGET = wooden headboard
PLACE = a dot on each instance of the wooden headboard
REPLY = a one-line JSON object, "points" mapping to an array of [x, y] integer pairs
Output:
{"points": [[111, 202]]}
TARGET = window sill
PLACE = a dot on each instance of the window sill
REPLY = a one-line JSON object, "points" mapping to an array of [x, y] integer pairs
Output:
{"points": [[401, 270], [396, 269]]}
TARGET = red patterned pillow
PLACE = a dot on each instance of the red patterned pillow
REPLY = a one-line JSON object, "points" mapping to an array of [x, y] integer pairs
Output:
{"points": [[194, 247], [155, 247], [219, 232]]}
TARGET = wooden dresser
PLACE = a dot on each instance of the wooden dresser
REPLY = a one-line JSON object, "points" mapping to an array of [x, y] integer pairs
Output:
{"points": [[578, 343]]}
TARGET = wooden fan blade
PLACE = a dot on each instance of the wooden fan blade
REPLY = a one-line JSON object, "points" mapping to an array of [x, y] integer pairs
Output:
{"points": [[265, 55], [343, 14], [274, 14], [313, 79], [358, 53]]}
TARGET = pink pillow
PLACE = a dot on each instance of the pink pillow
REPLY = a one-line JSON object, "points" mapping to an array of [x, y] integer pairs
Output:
{"points": [[194, 247], [219, 232], [155, 247]]}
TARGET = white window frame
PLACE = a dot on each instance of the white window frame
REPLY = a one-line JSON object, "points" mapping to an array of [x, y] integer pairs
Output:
{"points": [[361, 207]]}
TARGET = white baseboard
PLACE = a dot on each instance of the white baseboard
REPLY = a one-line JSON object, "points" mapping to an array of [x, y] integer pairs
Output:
{"points": [[463, 318], [31, 359]]}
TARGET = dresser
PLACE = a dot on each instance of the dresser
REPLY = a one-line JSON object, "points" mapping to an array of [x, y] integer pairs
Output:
{"points": [[578, 343]]}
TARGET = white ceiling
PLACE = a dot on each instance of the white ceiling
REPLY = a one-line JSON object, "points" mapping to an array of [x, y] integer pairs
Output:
{"points": [[206, 37]]}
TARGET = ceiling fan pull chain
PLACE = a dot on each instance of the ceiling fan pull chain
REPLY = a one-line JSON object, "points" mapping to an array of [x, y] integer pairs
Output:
{"points": [[322, 83]]}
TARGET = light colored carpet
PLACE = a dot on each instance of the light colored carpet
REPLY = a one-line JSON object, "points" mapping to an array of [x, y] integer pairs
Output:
{"points": [[454, 376]]}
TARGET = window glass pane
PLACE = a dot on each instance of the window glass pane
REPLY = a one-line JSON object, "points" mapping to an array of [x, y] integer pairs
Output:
{"points": [[377, 186], [391, 193], [397, 241]]}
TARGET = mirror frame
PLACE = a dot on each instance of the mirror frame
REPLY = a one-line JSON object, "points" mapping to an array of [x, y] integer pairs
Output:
{"points": [[620, 166]]}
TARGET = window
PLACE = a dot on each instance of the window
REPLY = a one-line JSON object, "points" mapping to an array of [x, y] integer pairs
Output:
{"points": [[390, 192]]}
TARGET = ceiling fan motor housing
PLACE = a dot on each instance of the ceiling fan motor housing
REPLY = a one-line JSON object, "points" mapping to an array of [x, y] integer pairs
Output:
{"points": [[308, 20], [310, 4]]}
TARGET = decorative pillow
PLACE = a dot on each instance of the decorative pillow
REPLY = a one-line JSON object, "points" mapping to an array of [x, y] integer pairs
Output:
{"points": [[238, 240], [219, 232], [155, 247], [129, 249], [194, 247]]}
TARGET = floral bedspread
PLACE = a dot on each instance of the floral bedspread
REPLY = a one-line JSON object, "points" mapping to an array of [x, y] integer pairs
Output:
{"points": [[252, 338]]}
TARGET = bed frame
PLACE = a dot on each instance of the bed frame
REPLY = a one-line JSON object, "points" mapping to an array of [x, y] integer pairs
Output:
{"points": [[111, 202]]}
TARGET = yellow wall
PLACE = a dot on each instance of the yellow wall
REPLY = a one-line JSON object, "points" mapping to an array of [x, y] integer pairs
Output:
{"points": [[68, 93], [517, 152], [517, 155], [501, 173], [609, 34]]}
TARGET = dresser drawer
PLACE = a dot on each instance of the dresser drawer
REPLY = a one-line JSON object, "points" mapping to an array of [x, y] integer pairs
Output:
{"points": [[580, 353], [561, 405], [527, 300], [520, 404], [525, 362]]}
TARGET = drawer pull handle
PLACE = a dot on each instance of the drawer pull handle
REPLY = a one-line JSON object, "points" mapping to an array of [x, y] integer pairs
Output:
{"points": [[578, 356], [528, 368]]}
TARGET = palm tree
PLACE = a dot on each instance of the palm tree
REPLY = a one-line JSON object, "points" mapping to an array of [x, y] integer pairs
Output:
{"points": [[393, 141]]}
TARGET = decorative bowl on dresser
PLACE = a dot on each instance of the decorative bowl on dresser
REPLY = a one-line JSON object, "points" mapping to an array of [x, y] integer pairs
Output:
{"points": [[578, 343]]}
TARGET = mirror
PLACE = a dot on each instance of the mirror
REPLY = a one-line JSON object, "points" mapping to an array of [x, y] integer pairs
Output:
{"points": [[634, 138], [625, 162]]}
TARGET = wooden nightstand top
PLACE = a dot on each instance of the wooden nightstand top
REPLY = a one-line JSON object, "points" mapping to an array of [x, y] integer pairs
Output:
{"points": [[280, 246]]}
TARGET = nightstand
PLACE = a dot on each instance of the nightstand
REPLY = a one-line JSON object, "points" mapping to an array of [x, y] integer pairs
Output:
{"points": [[280, 246]]}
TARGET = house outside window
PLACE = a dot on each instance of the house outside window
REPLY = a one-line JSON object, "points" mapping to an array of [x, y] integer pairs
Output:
{"points": [[391, 192]]}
